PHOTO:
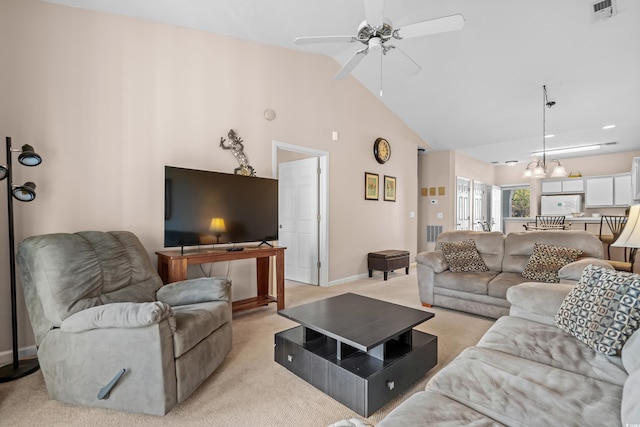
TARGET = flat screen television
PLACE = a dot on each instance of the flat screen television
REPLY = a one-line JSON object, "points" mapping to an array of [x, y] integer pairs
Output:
{"points": [[198, 202]]}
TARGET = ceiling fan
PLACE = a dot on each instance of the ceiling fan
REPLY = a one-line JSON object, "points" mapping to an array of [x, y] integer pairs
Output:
{"points": [[377, 34]]}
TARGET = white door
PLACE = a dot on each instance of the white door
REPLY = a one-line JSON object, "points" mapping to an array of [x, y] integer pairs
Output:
{"points": [[479, 206], [463, 211], [298, 215]]}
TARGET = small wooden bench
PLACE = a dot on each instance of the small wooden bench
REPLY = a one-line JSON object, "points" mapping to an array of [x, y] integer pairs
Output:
{"points": [[387, 261]]}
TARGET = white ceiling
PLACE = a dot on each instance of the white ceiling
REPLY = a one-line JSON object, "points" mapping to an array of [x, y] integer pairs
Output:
{"points": [[480, 89]]}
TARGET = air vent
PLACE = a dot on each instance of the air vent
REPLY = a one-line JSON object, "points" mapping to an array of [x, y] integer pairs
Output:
{"points": [[433, 231], [603, 10]]}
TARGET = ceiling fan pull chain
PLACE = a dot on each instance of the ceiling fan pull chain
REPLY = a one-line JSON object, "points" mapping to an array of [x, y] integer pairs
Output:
{"points": [[381, 55]]}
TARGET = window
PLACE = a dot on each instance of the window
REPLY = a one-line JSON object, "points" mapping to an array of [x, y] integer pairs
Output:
{"points": [[516, 201]]}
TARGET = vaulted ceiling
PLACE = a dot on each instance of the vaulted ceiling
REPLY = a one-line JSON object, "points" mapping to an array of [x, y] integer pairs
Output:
{"points": [[480, 89]]}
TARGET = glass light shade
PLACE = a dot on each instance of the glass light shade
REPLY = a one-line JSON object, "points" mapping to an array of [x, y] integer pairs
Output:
{"points": [[630, 236], [4, 172], [538, 171], [559, 172], [28, 156], [25, 193], [527, 173]]}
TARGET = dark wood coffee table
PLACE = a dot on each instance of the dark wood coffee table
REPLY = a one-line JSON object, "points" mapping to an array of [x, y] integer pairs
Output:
{"points": [[361, 351]]}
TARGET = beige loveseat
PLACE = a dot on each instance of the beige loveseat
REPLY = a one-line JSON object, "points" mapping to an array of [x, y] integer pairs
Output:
{"points": [[484, 293]]}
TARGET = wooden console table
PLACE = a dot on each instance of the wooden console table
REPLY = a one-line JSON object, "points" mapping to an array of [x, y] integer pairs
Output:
{"points": [[172, 266]]}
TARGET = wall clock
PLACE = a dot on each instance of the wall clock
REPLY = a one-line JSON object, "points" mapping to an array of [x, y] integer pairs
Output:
{"points": [[382, 150]]}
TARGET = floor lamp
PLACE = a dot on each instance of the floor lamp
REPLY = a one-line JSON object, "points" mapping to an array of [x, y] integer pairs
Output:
{"points": [[24, 193]]}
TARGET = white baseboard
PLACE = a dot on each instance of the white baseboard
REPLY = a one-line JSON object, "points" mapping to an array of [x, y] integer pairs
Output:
{"points": [[348, 279], [6, 357], [357, 277]]}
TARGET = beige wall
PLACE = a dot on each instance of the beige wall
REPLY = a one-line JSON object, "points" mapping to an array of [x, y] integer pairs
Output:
{"points": [[108, 101], [440, 169]]}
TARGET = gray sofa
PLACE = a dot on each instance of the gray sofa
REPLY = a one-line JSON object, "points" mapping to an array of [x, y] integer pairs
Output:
{"points": [[97, 306], [525, 371], [484, 293]]}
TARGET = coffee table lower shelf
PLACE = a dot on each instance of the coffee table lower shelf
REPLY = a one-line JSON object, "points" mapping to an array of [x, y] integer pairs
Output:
{"points": [[359, 381]]}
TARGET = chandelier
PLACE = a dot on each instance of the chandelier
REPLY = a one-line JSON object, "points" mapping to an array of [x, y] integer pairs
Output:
{"points": [[538, 168]]}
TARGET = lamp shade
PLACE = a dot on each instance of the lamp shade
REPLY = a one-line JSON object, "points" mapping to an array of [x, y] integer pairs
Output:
{"points": [[28, 156], [217, 226], [26, 192], [4, 172], [630, 236]]}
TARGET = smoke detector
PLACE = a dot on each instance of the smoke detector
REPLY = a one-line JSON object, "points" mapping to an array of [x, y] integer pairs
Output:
{"points": [[604, 9]]}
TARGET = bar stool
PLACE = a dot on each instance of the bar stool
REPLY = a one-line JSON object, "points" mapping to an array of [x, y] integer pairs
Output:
{"points": [[615, 223]]}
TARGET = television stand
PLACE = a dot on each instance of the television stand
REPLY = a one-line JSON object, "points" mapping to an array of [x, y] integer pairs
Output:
{"points": [[264, 242], [172, 267]]}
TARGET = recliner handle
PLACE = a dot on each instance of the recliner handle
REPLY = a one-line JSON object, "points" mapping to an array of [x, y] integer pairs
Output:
{"points": [[104, 391]]}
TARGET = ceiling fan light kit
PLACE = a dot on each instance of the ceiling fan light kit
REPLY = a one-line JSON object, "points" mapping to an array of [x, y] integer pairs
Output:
{"points": [[376, 33]]}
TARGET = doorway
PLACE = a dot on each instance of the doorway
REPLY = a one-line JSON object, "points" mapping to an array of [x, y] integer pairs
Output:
{"points": [[303, 176], [463, 209]]}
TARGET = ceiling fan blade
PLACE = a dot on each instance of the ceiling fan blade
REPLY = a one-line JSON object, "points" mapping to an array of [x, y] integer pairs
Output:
{"points": [[351, 64], [433, 26], [325, 39], [374, 12], [409, 66]]}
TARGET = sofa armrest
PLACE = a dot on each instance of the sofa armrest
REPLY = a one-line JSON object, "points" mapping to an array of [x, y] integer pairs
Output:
{"points": [[434, 260], [194, 291], [537, 301], [428, 264], [122, 315], [572, 272]]}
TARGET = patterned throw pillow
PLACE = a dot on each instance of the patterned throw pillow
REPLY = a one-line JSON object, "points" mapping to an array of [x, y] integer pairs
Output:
{"points": [[602, 310], [463, 256], [545, 261]]}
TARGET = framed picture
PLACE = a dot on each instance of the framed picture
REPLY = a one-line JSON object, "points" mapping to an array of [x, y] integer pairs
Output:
{"points": [[390, 188], [371, 186]]}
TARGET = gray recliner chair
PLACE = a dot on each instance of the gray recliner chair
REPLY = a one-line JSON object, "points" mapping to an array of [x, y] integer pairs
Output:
{"points": [[109, 334]]}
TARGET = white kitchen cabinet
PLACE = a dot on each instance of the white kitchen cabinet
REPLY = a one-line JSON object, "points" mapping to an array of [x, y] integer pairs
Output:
{"points": [[607, 191], [551, 187], [573, 185], [559, 186], [622, 189], [635, 179], [599, 191]]}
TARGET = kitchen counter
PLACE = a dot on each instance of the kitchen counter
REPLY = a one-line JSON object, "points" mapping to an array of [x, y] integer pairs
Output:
{"points": [[588, 223]]}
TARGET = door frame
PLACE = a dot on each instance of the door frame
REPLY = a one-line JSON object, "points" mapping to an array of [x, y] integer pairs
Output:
{"points": [[323, 200]]}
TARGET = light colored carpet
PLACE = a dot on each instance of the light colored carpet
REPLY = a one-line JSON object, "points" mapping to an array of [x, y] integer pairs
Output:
{"points": [[249, 388]]}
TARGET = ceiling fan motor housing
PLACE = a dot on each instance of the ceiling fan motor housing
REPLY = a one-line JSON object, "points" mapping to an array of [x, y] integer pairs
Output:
{"points": [[366, 32]]}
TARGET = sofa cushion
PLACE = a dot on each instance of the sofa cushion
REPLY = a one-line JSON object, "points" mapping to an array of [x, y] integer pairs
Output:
{"points": [[518, 392], [475, 283], [602, 310], [432, 409], [518, 246], [490, 245], [551, 346], [546, 260], [630, 408], [537, 301], [463, 256], [500, 284], [195, 322], [631, 353]]}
